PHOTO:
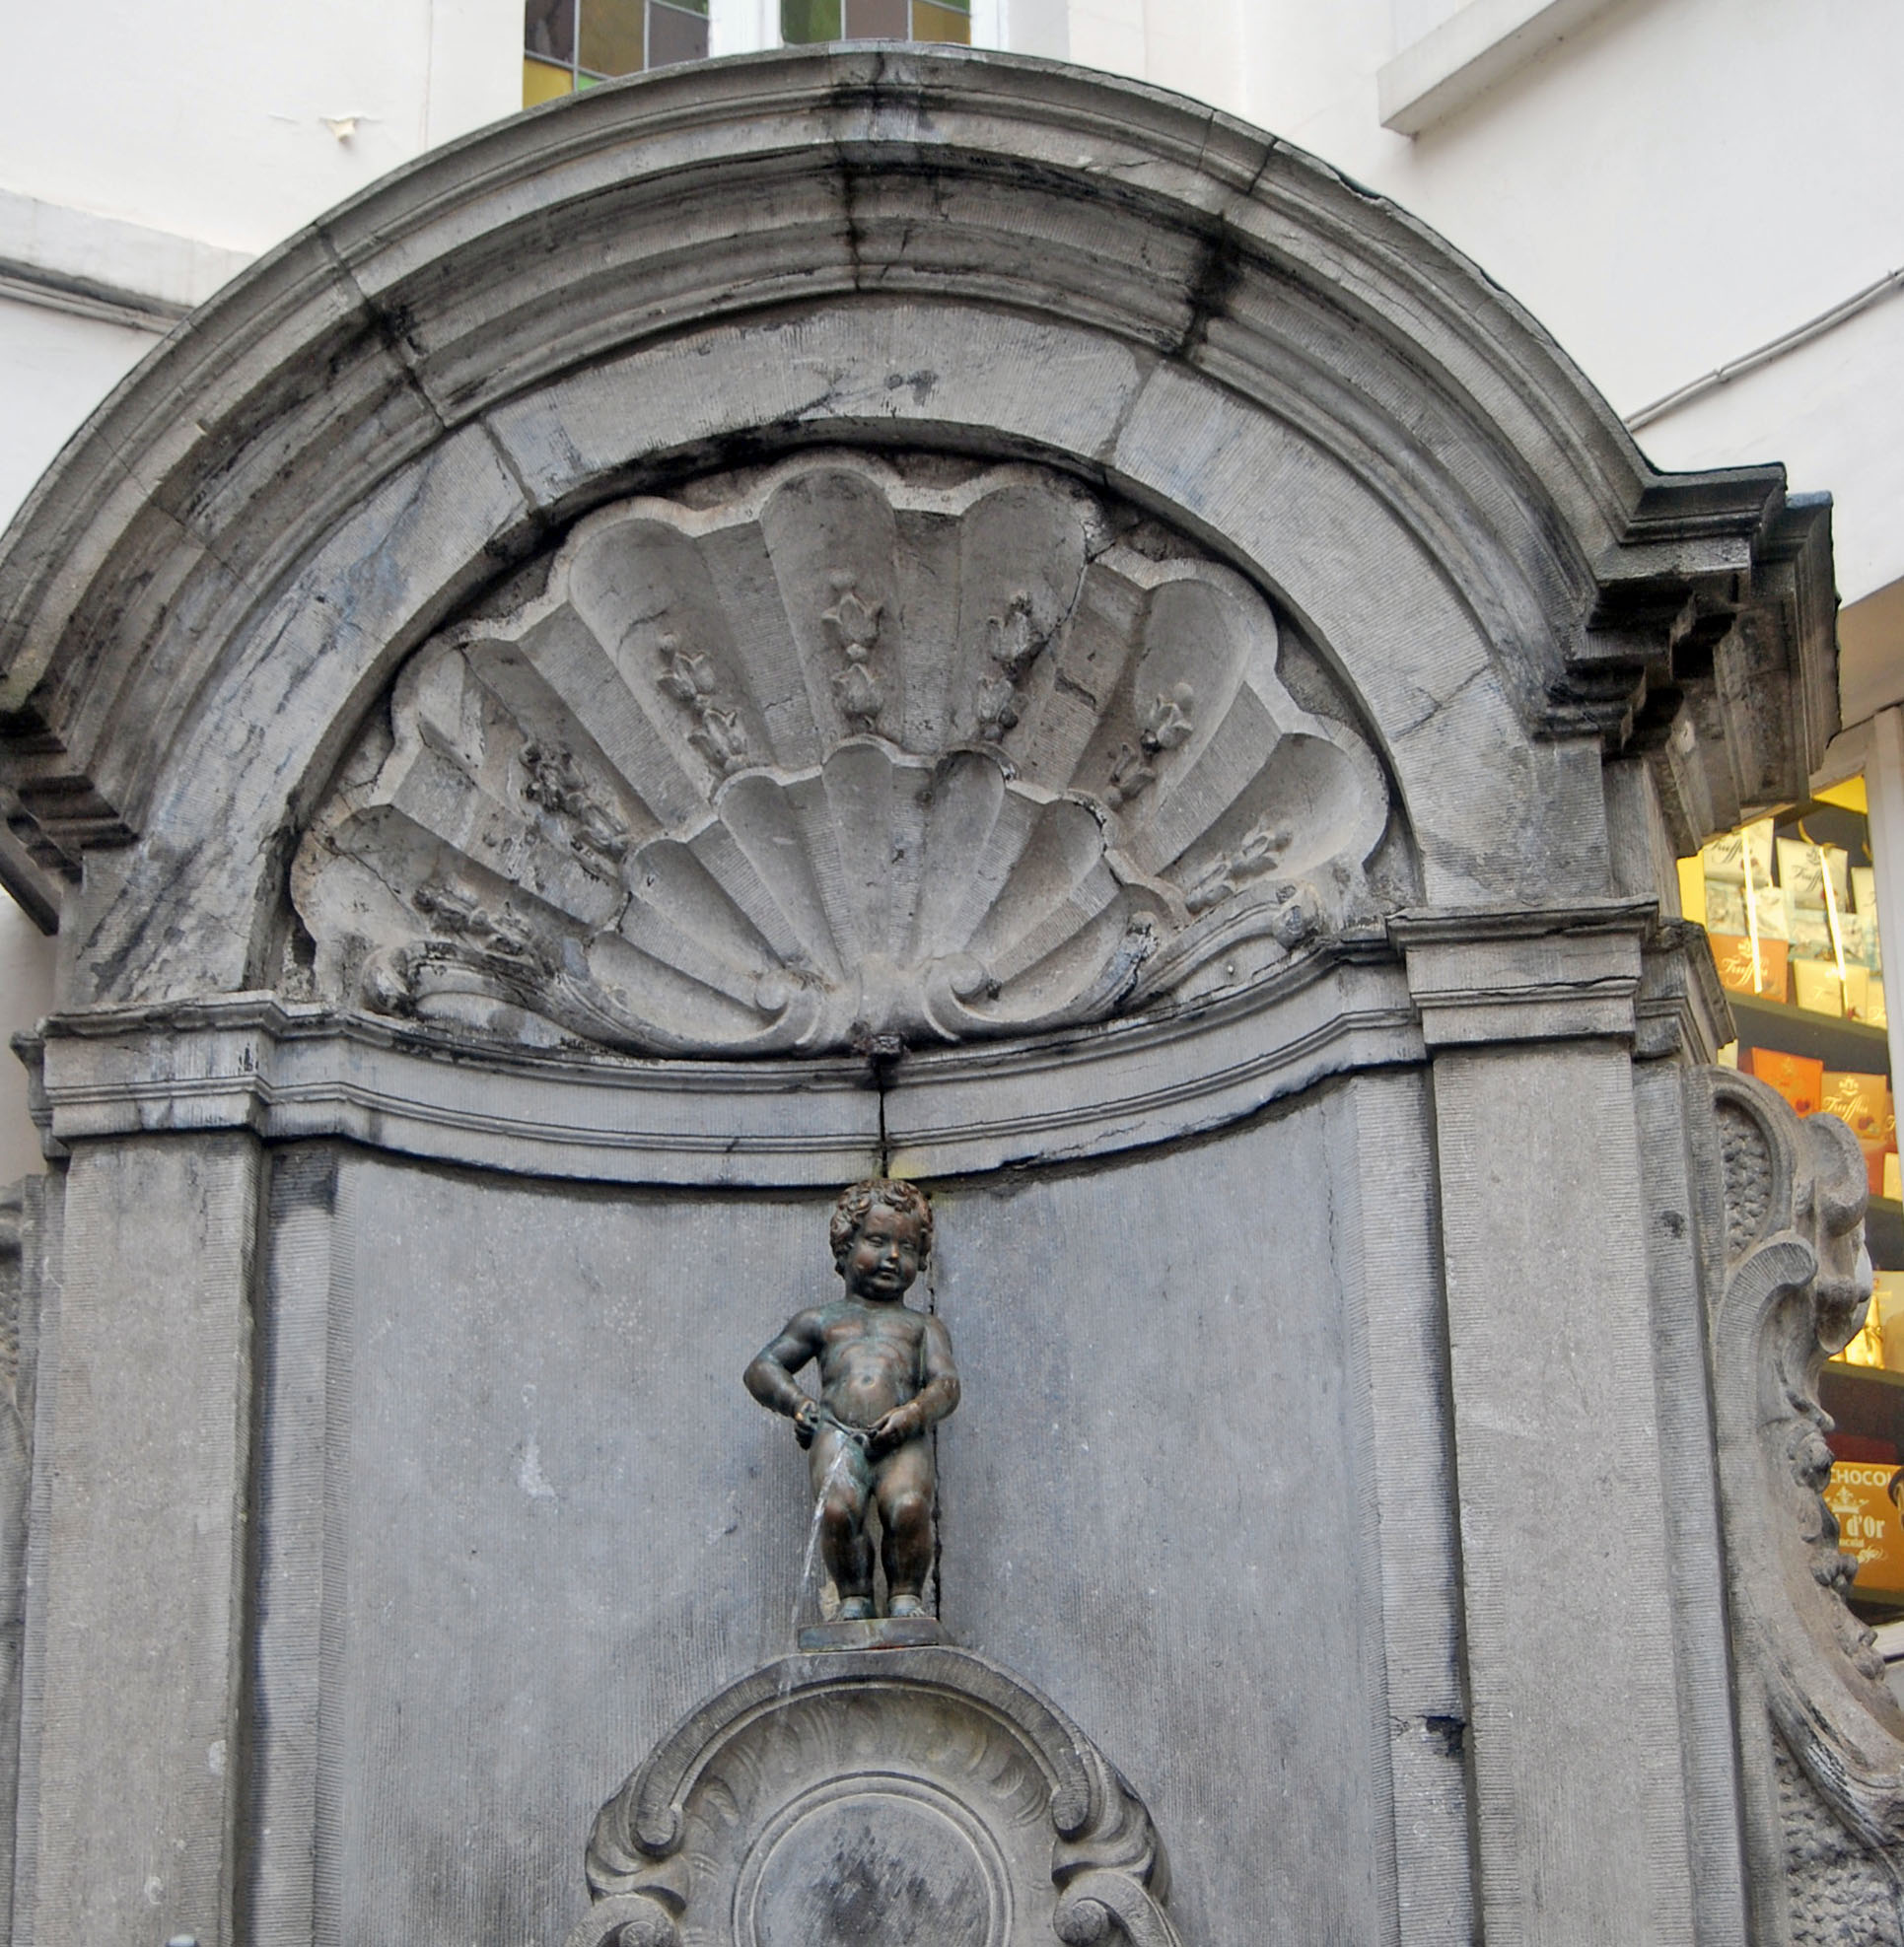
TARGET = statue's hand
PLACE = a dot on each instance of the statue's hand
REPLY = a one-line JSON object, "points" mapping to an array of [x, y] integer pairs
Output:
{"points": [[891, 1430], [805, 1422]]}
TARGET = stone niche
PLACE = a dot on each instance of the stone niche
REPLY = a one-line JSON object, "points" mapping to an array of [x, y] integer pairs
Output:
{"points": [[849, 753], [872, 611]]}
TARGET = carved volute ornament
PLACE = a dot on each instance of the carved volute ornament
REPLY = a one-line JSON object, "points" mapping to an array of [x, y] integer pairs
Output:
{"points": [[847, 752], [1787, 1259], [913, 1797]]}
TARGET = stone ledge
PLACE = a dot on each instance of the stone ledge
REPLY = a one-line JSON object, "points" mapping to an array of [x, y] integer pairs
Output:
{"points": [[294, 1073], [1548, 974], [1483, 43]]}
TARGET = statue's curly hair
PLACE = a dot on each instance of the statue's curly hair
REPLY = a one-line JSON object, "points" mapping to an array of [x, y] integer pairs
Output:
{"points": [[857, 1199]]}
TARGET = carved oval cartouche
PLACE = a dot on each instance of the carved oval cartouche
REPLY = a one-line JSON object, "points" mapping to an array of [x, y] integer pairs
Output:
{"points": [[916, 1797], [836, 755]]}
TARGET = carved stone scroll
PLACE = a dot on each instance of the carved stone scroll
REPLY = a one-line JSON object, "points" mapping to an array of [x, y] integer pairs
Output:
{"points": [[916, 1797], [847, 754], [1788, 1263]]}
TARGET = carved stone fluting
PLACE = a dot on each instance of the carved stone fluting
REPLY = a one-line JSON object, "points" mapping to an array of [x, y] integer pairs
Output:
{"points": [[904, 1795], [845, 753], [1788, 1264]]}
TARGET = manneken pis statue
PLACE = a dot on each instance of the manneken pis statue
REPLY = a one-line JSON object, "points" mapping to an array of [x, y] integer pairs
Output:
{"points": [[886, 1378]]}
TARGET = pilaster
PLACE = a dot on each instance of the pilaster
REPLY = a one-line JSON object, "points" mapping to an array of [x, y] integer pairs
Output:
{"points": [[1579, 1778], [143, 1456]]}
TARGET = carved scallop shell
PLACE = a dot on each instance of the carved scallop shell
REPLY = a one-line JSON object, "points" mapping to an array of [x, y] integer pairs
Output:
{"points": [[838, 758]]}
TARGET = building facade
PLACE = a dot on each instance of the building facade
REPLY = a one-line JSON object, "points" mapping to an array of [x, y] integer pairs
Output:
{"points": [[875, 611]]}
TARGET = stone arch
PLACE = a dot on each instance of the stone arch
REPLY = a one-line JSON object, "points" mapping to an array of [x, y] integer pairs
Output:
{"points": [[878, 248]]}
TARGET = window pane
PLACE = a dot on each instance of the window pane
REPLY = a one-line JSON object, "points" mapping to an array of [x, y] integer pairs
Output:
{"points": [[549, 29], [875, 19], [543, 82], [688, 7], [808, 20], [673, 36], [612, 37], [932, 22]]}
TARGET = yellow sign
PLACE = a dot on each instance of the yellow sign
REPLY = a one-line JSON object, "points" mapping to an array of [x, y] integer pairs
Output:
{"points": [[1858, 1494]]}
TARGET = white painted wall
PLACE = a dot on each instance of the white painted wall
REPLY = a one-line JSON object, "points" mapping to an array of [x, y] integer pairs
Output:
{"points": [[54, 369], [158, 149], [1672, 186], [215, 118]]}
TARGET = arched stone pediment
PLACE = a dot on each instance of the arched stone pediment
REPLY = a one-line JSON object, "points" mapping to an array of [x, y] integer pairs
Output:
{"points": [[936, 251]]}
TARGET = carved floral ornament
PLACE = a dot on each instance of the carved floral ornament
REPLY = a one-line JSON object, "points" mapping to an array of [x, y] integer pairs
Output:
{"points": [[844, 754], [1793, 1289]]}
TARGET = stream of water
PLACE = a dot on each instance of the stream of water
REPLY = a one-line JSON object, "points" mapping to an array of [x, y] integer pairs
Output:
{"points": [[803, 1598]]}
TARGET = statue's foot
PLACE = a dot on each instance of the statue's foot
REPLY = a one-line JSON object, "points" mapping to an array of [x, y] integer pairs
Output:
{"points": [[905, 1605], [856, 1609]]}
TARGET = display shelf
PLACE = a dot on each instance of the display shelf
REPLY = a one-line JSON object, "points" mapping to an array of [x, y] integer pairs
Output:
{"points": [[1866, 1402], [1839, 1044]]}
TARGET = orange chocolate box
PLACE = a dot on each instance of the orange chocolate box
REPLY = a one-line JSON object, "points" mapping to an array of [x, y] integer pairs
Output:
{"points": [[1863, 1102], [1798, 1077], [1732, 955]]}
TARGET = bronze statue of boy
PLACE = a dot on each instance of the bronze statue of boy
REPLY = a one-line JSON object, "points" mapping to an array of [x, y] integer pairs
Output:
{"points": [[886, 1378]]}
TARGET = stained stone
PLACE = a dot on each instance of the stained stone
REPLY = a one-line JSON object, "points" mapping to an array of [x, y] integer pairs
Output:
{"points": [[873, 1868], [880, 611], [844, 754]]}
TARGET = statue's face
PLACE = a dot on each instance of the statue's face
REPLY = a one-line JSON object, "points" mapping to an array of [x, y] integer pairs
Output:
{"points": [[884, 1258]]}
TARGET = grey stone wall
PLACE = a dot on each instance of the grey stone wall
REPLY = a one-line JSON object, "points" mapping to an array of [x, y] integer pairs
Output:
{"points": [[518, 1515]]}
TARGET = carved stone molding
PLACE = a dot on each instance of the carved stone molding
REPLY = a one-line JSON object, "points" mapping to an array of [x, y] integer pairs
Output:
{"points": [[899, 1795], [847, 754], [291, 1071], [1787, 1262]]}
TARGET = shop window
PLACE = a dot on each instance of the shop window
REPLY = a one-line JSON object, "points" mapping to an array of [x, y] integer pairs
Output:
{"points": [[801, 21], [570, 44], [1790, 903]]}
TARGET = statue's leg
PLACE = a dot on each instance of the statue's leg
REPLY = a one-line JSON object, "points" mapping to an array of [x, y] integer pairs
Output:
{"points": [[842, 1484], [903, 1484]]}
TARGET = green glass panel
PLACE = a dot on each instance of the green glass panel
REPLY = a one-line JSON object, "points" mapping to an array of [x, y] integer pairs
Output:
{"points": [[612, 37], [932, 20], [583, 81], [675, 36], [548, 31], [801, 21]]}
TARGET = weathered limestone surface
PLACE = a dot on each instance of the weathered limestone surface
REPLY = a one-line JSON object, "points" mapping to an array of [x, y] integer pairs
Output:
{"points": [[143, 1448], [846, 757], [1551, 1357], [975, 254], [876, 612]]}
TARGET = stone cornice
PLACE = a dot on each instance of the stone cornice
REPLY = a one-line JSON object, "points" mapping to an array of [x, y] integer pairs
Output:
{"points": [[289, 1073], [1521, 974]]}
